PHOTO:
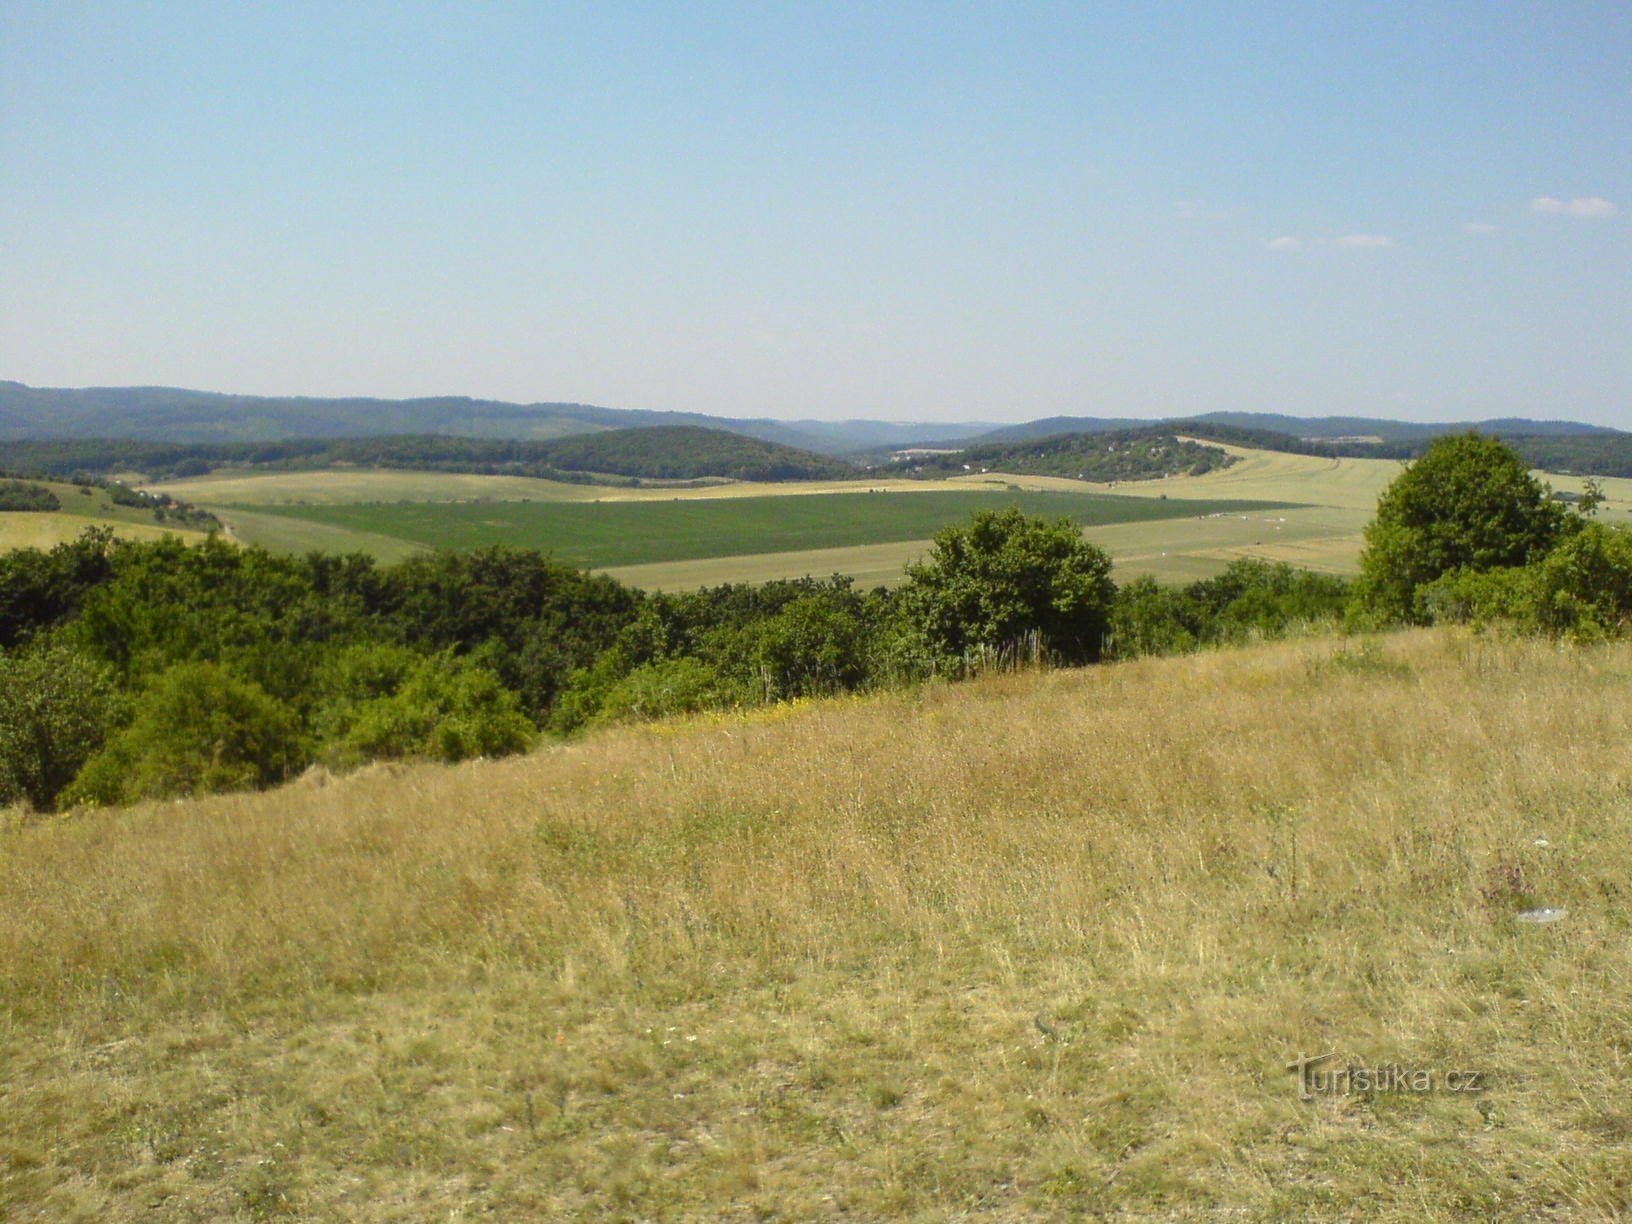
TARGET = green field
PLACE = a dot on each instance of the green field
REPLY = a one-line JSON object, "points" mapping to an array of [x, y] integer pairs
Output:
{"points": [[635, 533]]}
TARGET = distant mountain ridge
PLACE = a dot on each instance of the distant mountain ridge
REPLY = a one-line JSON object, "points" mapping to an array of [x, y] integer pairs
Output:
{"points": [[173, 414], [1308, 428], [170, 414]]}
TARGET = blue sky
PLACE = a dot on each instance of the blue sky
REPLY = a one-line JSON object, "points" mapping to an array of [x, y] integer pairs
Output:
{"points": [[909, 211]]}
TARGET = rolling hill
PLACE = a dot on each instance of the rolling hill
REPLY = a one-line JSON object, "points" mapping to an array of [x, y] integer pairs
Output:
{"points": [[1131, 454], [170, 414]]}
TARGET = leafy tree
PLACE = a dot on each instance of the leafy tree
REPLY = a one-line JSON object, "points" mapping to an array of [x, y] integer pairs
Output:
{"points": [[55, 710], [1005, 576], [1468, 503], [198, 729]]}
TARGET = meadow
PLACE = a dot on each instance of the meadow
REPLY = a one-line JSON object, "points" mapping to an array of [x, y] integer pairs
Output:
{"points": [[1037, 946]]}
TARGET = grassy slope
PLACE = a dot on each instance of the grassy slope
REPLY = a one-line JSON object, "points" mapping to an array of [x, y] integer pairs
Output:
{"points": [[633, 533], [1029, 948], [35, 529]]}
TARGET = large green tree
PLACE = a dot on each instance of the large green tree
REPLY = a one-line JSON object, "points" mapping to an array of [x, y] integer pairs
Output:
{"points": [[1005, 576], [1467, 504]]}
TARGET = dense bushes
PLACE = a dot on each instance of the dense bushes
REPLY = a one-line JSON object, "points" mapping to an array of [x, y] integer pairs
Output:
{"points": [[198, 729], [18, 495], [1582, 589], [1250, 600], [442, 707]]}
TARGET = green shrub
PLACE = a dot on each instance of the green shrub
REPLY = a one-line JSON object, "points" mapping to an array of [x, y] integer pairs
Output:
{"points": [[1581, 589], [1480, 597], [198, 729], [55, 711], [662, 688], [1150, 619], [1584, 586], [809, 648], [444, 708]]}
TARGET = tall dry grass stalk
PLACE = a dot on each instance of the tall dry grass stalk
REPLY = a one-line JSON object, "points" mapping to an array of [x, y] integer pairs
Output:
{"points": [[1034, 946]]}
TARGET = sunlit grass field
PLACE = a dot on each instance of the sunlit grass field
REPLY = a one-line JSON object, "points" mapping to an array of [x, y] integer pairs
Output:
{"points": [[1033, 947], [48, 528]]}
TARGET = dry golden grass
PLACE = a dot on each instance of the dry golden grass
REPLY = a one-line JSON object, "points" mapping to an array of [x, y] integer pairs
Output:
{"points": [[1031, 947]]}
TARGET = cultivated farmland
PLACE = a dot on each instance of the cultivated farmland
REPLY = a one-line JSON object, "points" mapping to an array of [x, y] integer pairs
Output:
{"points": [[607, 534], [669, 543]]}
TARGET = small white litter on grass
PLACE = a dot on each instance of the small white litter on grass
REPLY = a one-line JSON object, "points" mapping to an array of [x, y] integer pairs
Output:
{"points": [[1546, 913]]}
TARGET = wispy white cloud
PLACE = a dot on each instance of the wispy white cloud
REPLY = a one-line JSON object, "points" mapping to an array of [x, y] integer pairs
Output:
{"points": [[1480, 227], [1365, 240], [1190, 210], [1286, 242], [1581, 206]]}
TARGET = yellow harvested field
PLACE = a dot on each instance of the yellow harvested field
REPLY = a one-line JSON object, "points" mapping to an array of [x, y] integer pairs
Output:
{"points": [[350, 487], [344, 487], [48, 529], [1172, 550]]}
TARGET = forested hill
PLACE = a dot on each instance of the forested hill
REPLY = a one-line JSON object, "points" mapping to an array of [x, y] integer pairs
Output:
{"points": [[1131, 454], [1600, 453], [683, 452], [661, 453], [174, 415], [1338, 431]]}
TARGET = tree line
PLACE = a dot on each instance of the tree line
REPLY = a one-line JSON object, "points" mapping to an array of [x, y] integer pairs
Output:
{"points": [[657, 453]]}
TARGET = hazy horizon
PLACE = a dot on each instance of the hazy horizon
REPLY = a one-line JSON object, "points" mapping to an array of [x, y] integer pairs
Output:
{"points": [[910, 213], [927, 421]]}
